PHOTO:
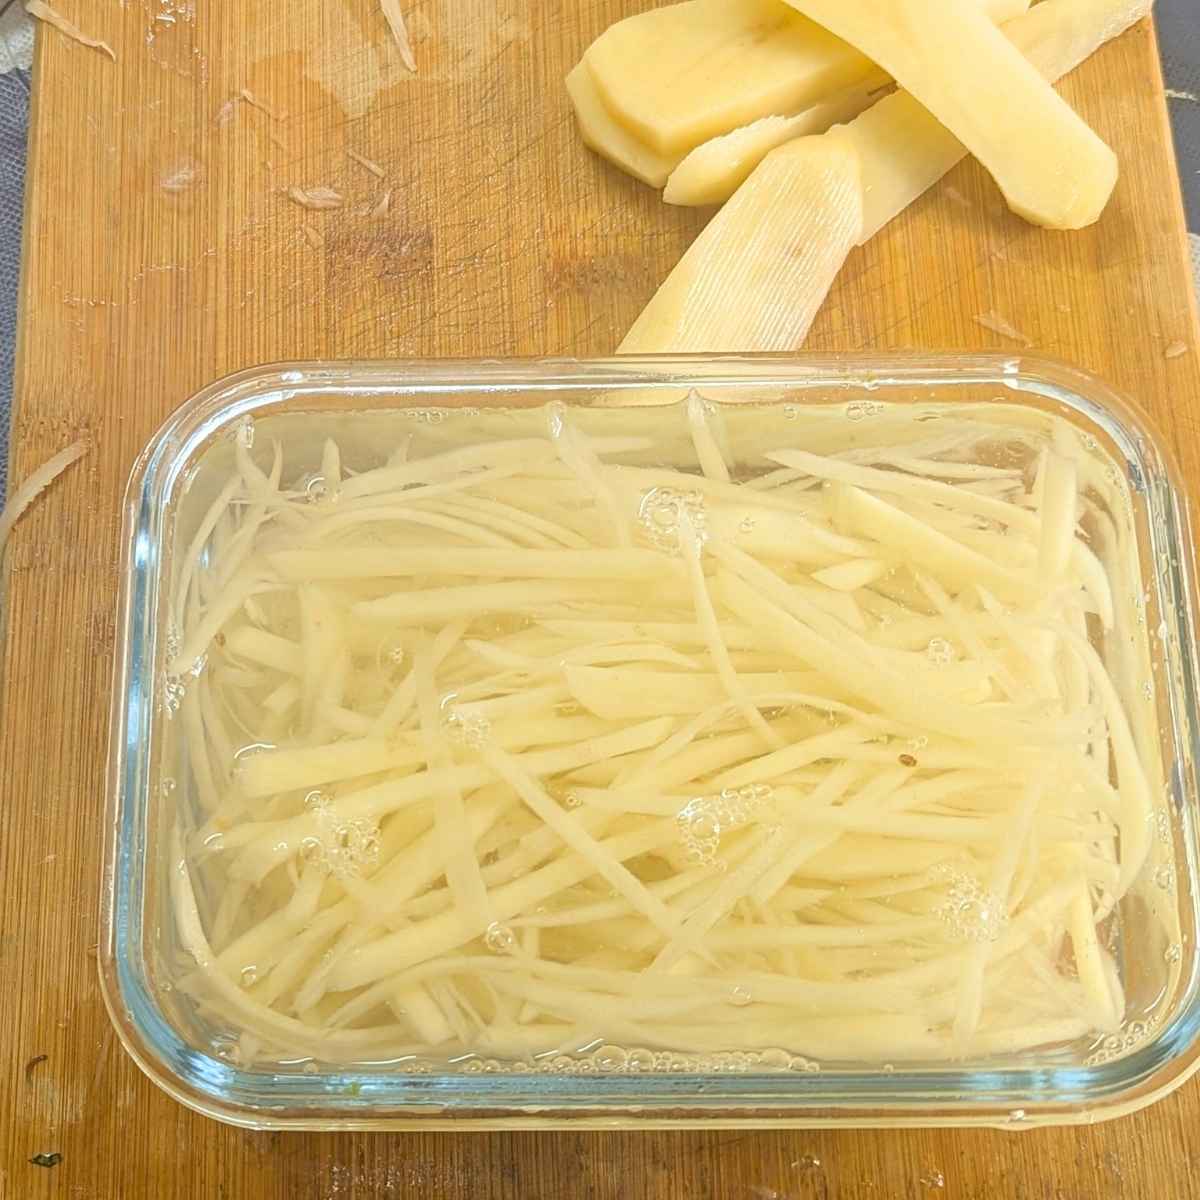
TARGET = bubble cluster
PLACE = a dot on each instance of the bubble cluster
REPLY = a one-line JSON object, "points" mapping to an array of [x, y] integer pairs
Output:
{"points": [[973, 913], [1173, 953], [940, 652], [704, 820], [173, 691], [467, 729], [392, 655], [860, 410], [638, 1060], [343, 848], [1161, 820], [426, 416], [1164, 877], [1129, 1037], [661, 510]]}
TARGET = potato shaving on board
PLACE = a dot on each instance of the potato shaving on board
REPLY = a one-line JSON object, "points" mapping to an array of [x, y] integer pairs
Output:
{"points": [[31, 488], [317, 198], [395, 20], [42, 11]]}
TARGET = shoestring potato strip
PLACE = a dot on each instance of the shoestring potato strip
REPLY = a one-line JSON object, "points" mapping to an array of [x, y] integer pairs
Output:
{"points": [[690, 731]]}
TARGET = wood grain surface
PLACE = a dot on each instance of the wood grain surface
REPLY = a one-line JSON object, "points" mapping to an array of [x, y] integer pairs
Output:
{"points": [[161, 252]]}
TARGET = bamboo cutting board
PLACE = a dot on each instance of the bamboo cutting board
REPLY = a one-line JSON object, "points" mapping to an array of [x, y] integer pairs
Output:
{"points": [[161, 252]]}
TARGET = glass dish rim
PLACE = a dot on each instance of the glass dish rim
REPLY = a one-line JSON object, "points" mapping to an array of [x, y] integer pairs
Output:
{"points": [[1007, 1097]]}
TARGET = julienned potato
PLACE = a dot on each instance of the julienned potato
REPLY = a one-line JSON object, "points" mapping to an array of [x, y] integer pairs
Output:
{"points": [[709, 732]]}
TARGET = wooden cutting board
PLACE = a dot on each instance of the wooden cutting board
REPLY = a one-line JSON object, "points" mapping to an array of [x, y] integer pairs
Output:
{"points": [[161, 252]]}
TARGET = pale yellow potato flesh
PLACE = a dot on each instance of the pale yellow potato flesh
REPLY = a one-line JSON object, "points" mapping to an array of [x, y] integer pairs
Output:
{"points": [[715, 169], [756, 275], [904, 150], [1052, 168], [612, 140], [893, 152], [678, 75]]}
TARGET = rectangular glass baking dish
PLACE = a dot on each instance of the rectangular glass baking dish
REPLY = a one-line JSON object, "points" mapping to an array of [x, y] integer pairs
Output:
{"points": [[194, 1056]]}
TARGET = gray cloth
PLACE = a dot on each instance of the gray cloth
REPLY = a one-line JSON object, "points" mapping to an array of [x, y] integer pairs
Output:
{"points": [[1179, 38], [1179, 34], [14, 121]]}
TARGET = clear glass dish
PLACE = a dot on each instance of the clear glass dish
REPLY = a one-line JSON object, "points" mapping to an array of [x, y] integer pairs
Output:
{"points": [[194, 1055]]}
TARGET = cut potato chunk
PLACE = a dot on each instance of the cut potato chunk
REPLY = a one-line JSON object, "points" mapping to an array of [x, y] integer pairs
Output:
{"points": [[754, 279], [714, 170], [1052, 169], [1056, 36], [678, 75], [754, 237], [611, 139]]}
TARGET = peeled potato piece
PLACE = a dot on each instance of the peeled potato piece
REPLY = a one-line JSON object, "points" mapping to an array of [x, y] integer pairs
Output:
{"points": [[1056, 36], [714, 170], [678, 75], [756, 275], [1052, 169], [611, 139]]}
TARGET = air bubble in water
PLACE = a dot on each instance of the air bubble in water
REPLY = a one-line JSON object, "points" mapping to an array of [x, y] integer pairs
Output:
{"points": [[315, 488], [703, 821], [610, 1058], [252, 748], [746, 524], [319, 803], [939, 652], [1164, 877], [1162, 825], [933, 1179], [639, 1060], [354, 846], [167, 786], [499, 939], [1173, 953], [973, 913], [572, 800], [470, 730], [173, 691], [249, 976], [310, 1068], [659, 515], [860, 410], [741, 996]]}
